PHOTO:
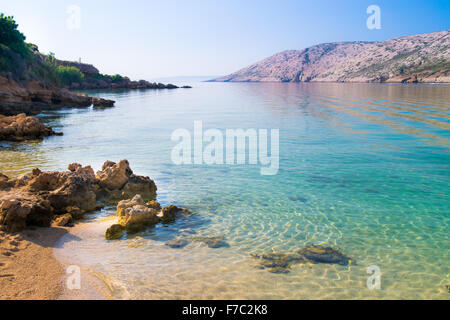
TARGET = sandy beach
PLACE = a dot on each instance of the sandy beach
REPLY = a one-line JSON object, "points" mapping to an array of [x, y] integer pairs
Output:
{"points": [[28, 269]]}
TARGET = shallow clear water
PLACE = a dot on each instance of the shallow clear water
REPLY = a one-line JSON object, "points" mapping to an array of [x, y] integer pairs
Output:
{"points": [[365, 168]]}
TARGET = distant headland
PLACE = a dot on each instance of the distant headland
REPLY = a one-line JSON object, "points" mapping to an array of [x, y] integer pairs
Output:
{"points": [[423, 58]]}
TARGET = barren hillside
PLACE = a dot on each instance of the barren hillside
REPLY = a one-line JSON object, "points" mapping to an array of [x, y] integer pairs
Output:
{"points": [[418, 58]]}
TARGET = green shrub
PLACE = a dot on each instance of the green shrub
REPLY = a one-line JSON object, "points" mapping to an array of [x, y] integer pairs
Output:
{"points": [[116, 78], [10, 36], [68, 75]]}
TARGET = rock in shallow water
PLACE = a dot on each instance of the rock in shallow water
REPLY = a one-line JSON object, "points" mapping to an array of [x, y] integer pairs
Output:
{"points": [[212, 242], [115, 232], [177, 243], [311, 254], [135, 216], [320, 254]]}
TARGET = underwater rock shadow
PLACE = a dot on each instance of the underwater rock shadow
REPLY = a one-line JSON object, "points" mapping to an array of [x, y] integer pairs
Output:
{"points": [[282, 262]]}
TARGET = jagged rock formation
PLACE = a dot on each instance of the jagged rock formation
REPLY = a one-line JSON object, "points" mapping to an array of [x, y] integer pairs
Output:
{"points": [[417, 58], [21, 127], [39, 197]]}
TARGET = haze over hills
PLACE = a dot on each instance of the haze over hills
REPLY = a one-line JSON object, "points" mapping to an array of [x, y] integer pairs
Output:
{"points": [[417, 58]]}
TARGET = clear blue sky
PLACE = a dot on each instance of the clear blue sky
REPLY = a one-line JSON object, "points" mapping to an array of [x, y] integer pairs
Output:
{"points": [[145, 39]]}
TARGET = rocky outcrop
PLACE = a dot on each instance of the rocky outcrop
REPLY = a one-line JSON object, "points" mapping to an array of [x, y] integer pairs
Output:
{"points": [[117, 181], [418, 58], [35, 199], [21, 127]]}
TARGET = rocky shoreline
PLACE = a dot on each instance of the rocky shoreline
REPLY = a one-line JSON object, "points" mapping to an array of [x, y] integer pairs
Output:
{"points": [[20, 128], [42, 198], [33, 97]]}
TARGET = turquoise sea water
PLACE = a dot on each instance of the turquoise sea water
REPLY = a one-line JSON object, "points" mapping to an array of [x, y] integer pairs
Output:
{"points": [[365, 168]]}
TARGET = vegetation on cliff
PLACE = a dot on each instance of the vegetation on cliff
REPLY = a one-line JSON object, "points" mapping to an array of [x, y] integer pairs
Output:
{"points": [[22, 62]]}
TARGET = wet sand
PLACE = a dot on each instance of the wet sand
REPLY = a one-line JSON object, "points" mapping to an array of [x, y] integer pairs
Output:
{"points": [[29, 270]]}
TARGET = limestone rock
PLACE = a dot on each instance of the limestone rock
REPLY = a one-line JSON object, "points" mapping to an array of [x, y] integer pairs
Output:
{"points": [[125, 204], [168, 214], [139, 185], [138, 218], [18, 211], [114, 175]]}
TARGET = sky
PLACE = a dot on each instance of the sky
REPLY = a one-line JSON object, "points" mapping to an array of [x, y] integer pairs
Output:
{"points": [[147, 39]]}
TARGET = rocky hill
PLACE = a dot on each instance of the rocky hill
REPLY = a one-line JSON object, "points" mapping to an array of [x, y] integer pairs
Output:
{"points": [[417, 58]]}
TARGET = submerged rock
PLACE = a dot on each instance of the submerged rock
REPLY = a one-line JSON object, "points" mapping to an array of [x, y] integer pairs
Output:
{"points": [[298, 198], [177, 243], [320, 254], [212, 242], [309, 254], [21, 127], [114, 232], [169, 214]]}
